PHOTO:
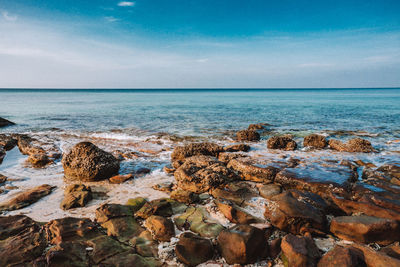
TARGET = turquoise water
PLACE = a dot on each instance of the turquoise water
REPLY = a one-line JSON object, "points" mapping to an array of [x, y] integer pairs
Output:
{"points": [[202, 112]]}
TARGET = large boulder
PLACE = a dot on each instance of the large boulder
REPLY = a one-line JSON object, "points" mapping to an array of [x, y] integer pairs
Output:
{"points": [[192, 249], [366, 229], [281, 142], [247, 135], [201, 173], [353, 145], [4, 122], [315, 141], [87, 162], [342, 256], [180, 153], [299, 251], [242, 244]]}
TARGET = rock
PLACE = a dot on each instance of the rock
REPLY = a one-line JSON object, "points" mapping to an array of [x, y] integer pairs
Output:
{"points": [[247, 135], [242, 244], [251, 172], [2, 154], [87, 162], [315, 141], [184, 196], [275, 247], [164, 187], [281, 142], [162, 229], [391, 170], [180, 153], [130, 259], [76, 195], [136, 203], [192, 249], [67, 254], [3, 178], [145, 245], [195, 220], [269, 190], [39, 160], [142, 171], [169, 169], [374, 258], [7, 142], [106, 250], [201, 173], [26, 198], [299, 251], [392, 250], [353, 145], [22, 243], [225, 157], [289, 214], [366, 229], [237, 148], [258, 126], [234, 213], [342, 256], [4, 122], [119, 179], [162, 207]]}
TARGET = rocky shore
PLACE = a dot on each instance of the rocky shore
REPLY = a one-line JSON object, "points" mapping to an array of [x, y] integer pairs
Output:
{"points": [[313, 202]]}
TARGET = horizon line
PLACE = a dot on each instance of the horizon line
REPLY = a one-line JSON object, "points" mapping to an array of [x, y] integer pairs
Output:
{"points": [[200, 88]]}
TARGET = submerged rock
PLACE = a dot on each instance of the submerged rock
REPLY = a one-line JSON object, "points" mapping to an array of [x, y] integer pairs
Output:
{"points": [[201, 173], [258, 126], [247, 135], [77, 195], [281, 142], [180, 153], [353, 145], [4, 122], [192, 249], [242, 244], [315, 141], [299, 251], [26, 198], [87, 162]]}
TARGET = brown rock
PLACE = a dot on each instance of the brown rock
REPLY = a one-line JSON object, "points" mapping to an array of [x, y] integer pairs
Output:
{"points": [[87, 162], [201, 173], [119, 179], [4, 122], [39, 160], [2, 154], [289, 214], [275, 247], [242, 244], [281, 142], [163, 187], [162, 207], [342, 256], [258, 126], [353, 145], [366, 229], [67, 254], [26, 198], [77, 195], [7, 142], [251, 172], [299, 251], [392, 250], [162, 229], [247, 135], [234, 213], [374, 258], [130, 259], [180, 153], [237, 148], [184, 196], [269, 190], [192, 249], [315, 141], [3, 179]]}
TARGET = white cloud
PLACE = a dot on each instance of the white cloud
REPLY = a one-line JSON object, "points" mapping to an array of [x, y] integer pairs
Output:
{"points": [[111, 19], [125, 3], [8, 17]]}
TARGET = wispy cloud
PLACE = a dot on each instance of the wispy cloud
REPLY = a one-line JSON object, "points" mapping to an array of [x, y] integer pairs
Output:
{"points": [[125, 3], [111, 19], [8, 17]]}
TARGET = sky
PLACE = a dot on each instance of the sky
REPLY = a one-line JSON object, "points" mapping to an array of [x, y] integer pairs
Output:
{"points": [[199, 43]]}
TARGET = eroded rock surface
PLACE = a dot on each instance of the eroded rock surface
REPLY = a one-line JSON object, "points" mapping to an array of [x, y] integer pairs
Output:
{"points": [[353, 145], [180, 153], [76, 195], [247, 135], [281, 142], [315, 141], [192, 249]]}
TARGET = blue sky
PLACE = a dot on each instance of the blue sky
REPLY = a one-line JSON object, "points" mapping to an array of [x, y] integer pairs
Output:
{"points": [[199, 43]]}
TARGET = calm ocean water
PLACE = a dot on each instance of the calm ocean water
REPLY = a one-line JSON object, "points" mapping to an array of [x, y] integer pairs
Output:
{"points": [[201, 112]]}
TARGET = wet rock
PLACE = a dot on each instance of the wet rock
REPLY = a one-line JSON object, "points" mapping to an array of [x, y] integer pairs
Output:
{"points": [[299, 251], [247, 135], [119, 179], [242, 244], [130, 259], [269, 190], [2, 154], [23, 243], [39, 160], [26, 198], [374, 258], [136, 203], [4, 122], [201, 173], [184, 196], [13, 225], [258, 126], [105, 249], [366, 229], [391, 170], [315, 141], [180, 153], [281, 142], [289, 214], [342, 256], [250, 172], [162, 229], [142, 171], [76, 195], [67, 254], [145, 245], [169, 169], [237, 192], [87, 162], [3, 178], [353, 145], [195, 220], [162, 207], [164, 187], [192, 249], [7, 142], [225, 157], [234, 213], [237, 148]]}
